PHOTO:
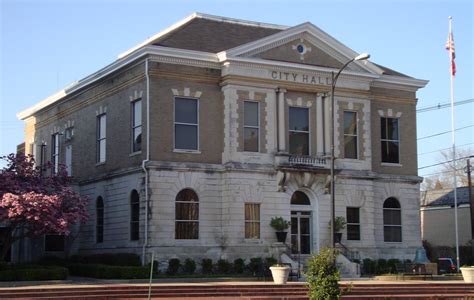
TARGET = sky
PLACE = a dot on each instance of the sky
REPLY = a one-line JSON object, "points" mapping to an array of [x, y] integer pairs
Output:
{"points": [[48, 44]]}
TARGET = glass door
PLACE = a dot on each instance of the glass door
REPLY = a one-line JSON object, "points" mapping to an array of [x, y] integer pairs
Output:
{"points": [[301, 232]]}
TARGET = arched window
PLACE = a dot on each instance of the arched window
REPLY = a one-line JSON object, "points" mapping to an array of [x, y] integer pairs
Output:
{"points": [[134, 216], [392, 221], [187, 215], [99, 225], [299, 198]]}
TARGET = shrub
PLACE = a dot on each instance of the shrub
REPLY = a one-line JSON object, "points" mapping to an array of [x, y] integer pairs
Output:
{"points": [[223, 266], [382, 267], [279, 224], [255, 266], [111, 259], [323, 276], [173, 266], [108, 272], [239, 266], [391, 264], [206, 265], [28, 273], [189, 266], [368, 266]]}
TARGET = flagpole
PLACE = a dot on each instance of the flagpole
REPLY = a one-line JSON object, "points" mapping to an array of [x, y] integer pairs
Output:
{"points": [[453, 134]]}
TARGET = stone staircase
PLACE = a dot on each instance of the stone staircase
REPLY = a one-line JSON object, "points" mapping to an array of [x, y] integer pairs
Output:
{"points": [[250, 291]]}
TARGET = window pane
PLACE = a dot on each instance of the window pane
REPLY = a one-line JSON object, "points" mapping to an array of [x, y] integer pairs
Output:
{"points": [[187, 195], [298, 119], [137, 113], [391, 203], [137, 138], [350, 147], [186, 137], [250, 113], [392, 124], [390, 152], [392, 234], [294, 225], [185, 110], [353, 232], [251, 139], [252, 212], [299, 143], [252, 230], [305, 244], [135, 231], [187, 211], [187, 230], [350, 122], [102, 126], [299, 198], [383, 128], [392, 217], [352, 215], [101, 150], [304, 226]]}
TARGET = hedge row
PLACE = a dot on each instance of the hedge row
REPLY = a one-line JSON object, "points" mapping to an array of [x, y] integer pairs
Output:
{"points": [[108, 272], [27, 273]]}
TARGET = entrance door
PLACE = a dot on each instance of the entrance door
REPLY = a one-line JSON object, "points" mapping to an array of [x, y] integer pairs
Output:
{"points": [[301, 232]]}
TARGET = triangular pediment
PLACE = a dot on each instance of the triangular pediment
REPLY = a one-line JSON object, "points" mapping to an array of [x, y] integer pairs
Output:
{"points": [[303, 44]]}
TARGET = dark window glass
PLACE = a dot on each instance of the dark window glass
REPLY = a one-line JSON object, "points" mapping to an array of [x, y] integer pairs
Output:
{"points": [[55, 152], [390, 140], [252, 220], [298, 130], [134, 216], [54, 242], [136, 125], [353, 223], [392, 220], [251, 126], [350, 134], [300, 198], [99, 227], [187, 215], [186, 124]]}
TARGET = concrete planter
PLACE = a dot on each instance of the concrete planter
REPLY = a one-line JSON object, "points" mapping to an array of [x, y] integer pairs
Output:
{"points": [[468, 274], [280, 274]]}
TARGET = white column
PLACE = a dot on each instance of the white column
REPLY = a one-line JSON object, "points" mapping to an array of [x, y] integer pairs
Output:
{"points": [[281, 121], [319, 125], [327, 124]]}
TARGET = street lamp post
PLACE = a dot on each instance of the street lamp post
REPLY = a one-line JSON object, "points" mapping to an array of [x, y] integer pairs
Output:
{"points": [[362, 56]]}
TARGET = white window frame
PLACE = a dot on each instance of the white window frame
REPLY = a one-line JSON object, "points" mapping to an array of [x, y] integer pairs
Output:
{"points": [[253, 221], [300, 131], [100, 139], [55, 152], [188, 124], [352, 135], [253, 127], [134, 126], [387, 140]]}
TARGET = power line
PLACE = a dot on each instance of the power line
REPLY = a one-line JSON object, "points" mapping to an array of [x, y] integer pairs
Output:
{"points": [[441, 163], [444, 132], [439, 150], [444, 105], [440, 172]]}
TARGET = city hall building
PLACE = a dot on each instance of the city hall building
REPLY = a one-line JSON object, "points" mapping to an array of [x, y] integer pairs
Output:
{"points": [[192, 141]]}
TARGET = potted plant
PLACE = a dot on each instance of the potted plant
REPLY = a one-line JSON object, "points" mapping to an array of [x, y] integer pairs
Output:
{"points": [[280, 225], [339, 224], [468, 273], [280, 273]]}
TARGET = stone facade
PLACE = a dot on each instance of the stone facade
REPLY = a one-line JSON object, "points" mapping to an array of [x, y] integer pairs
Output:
{"points": [[268, 70]]}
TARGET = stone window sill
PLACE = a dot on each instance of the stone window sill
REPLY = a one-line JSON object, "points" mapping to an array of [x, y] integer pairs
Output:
{"points": [[391, 165]]}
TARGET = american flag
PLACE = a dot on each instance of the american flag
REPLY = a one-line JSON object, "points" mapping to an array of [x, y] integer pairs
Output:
{"points": [[452, 55]]}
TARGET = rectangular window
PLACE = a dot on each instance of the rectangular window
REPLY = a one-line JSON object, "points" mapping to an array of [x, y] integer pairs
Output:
{"points": [[68, 160], [55, 152], [53, 242], [251, 126], [137, 126], [299, 130], [390, 140], [252, 220], [101, 138], [350, 134], [186, 124], [353, 223]]}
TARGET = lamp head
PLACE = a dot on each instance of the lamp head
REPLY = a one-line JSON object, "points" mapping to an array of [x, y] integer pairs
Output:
{"points": [[362, 56]]}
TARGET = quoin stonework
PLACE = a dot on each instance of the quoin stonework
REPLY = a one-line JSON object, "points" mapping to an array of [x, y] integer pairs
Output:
{"points": [[189, 143]]}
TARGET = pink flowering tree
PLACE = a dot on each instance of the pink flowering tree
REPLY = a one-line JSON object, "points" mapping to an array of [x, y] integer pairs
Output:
{"points": [[32, 204]]}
